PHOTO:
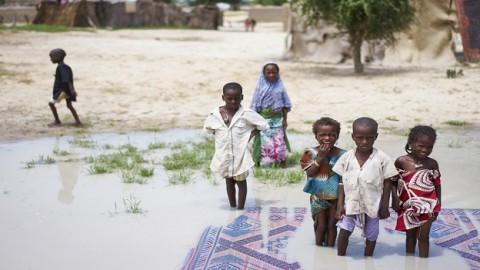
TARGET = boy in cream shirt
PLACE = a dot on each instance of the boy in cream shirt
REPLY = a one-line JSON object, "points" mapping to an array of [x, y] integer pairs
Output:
{"points": [[364, 190]]}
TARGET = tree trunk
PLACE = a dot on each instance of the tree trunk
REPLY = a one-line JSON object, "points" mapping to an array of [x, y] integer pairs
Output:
{"points": [[357, 55]]}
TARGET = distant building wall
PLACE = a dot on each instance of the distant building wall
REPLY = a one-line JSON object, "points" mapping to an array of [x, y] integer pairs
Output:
{"points": [[20, 2], [17, 14], [270, 14]]}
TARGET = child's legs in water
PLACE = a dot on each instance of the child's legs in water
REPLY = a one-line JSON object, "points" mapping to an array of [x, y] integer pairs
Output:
{"points": [[242, 193], [371, 232], [241, 182], [231, 191], [325, 227], [331, 225], [423, 235], [346, 225], [320, 227]]}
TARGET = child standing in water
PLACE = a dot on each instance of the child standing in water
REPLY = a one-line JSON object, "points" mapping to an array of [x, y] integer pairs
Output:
{"points": [[417, 195], [271, 101], [364, 188], [233, 127], [322, 182], [62, 87]]}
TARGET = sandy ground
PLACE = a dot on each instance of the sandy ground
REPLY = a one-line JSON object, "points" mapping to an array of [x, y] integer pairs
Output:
{"points": [[158, 79]]}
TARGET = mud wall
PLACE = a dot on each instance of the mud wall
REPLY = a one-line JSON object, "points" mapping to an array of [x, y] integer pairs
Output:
{"points": [[428, 41], [17, 14], [127, 14]]}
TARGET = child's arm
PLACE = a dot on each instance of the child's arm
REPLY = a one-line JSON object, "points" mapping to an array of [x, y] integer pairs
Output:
{"points": [[254, 133], [384, 213], [71, 89], [340, 202], [394, 191], [284, 123]]}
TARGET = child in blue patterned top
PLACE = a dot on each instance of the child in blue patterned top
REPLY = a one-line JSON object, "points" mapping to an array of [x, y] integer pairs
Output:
{"points": [[322, 182]]}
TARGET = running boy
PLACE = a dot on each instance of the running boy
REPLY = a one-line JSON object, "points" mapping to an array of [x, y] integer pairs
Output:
{"points": [[233, 127], [62, 87], [364, 189]]}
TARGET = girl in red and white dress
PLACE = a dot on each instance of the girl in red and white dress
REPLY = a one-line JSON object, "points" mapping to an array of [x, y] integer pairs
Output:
{"points": [[417, 194]]}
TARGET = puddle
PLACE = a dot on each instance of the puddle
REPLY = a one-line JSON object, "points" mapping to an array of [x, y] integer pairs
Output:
{"points": [[59, 216]]}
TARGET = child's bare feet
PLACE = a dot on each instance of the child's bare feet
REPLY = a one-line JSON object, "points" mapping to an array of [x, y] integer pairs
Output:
{"points": [[55, 124]]}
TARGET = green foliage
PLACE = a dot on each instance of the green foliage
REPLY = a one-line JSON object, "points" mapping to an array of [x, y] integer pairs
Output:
{"points": [[234, 3], [270, 2], [454, 73]]}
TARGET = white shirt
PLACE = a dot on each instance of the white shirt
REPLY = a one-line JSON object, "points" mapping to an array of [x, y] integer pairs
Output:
{"points": [[363, 186], [232, 154]]}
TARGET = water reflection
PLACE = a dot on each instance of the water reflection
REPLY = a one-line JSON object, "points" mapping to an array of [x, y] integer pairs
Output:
{"points": [[68, 172]]}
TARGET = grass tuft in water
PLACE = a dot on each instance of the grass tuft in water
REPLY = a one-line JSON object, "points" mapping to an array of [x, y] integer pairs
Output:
{"points": [[132, 205], [180, 177], [194, 156], [83, 141], [42, 160], [59, 152], [126, 157], [278, 176], [156, 145]]}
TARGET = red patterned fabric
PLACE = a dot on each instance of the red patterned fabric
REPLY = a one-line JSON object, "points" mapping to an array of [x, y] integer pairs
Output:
{"points": [[418, 198]]}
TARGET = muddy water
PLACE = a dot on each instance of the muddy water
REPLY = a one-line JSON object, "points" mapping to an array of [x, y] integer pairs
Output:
{"points": [[59, 216]]}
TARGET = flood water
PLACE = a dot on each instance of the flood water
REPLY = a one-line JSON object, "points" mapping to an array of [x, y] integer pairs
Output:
{"points": [[59, 216]]}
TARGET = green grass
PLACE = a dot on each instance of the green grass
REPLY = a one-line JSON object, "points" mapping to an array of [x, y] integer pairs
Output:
{"points": [[41, 160], [279, 176], [457, 123], [132, 205], [127, 157], [59, 152], [45, 28], [180, 177], [392, 118], [156, 145], [83, 141], [193, 156]]}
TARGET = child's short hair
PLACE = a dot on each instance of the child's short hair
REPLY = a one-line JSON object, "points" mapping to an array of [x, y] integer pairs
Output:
{"points": [[234, 86], [326, 121], [60, 52], [365, 121], [417, 131]]}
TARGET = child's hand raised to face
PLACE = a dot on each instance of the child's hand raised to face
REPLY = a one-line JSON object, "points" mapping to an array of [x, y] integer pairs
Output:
{"points": [[323, 150]]}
